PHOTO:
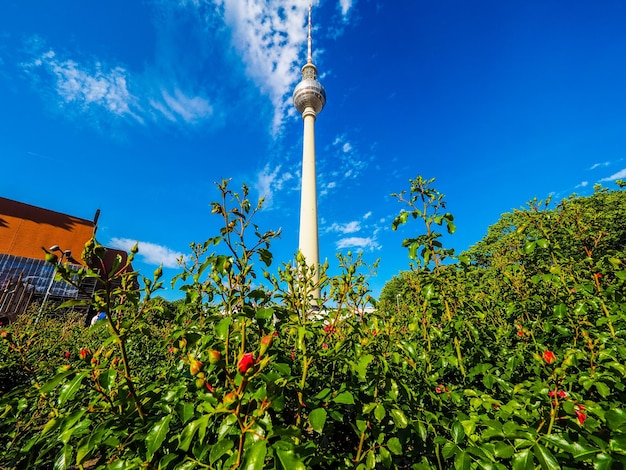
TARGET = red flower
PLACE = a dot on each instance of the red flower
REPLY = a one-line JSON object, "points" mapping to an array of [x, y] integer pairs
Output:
{"points": [[549, 356], [208, 385], [84, 354], [561, 394], [324, 346], [245, 363], [67, 354], [520, 333], [581, 417], [374, 333]]}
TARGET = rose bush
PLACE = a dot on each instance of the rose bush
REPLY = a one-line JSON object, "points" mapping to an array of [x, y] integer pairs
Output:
{"points": [[510, 355]]}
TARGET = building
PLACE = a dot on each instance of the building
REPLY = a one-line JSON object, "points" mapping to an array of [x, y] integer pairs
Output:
{"points": [[25, 276]]}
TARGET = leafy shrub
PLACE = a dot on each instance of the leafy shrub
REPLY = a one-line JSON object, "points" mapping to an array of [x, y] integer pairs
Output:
{"points": [[513, 357]]}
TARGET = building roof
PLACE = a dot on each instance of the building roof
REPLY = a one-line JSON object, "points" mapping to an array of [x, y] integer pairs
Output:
{"points": [[25, 229]]}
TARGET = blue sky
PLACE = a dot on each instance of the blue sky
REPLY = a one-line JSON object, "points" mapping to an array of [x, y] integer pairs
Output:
{"points": [[137, 107]]}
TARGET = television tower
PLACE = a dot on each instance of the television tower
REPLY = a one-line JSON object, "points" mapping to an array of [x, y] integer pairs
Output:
{"points": [[309, 99]]}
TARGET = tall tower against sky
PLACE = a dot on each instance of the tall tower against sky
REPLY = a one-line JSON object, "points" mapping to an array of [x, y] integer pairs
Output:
{"points": [[309, 98]]}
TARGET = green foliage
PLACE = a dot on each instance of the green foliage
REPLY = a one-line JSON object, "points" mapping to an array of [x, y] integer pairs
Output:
{"points": [[511, 358]]}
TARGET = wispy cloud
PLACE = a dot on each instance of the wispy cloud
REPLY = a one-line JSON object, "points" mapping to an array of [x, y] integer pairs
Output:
{"points": [[598, 165], [150, 253], [363, 243], [350, 227], [270, 35], [348, 162], [345, 6], [95, 88], [620, 174], [582, 184], [269, 180], [97, 85]]}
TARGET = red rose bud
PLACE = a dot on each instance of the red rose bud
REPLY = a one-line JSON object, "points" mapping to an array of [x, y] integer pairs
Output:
{"points": [[549, 356], [266, 342], [194, 366], [245, 363], [84, 354], [214, 356]]}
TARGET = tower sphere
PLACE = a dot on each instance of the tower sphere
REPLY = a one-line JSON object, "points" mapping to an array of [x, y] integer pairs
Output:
{"points": [[309, 92]]}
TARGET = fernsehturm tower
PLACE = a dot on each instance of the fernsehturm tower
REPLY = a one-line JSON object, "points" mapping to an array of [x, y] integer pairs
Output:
{"points": [[309, 98]]}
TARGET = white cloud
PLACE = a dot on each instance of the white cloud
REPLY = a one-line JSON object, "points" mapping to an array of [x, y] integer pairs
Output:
{"points": [[582, 184], [176, 106], [271, 37], [597, 165], [367, 215], [269, 180], [88, 85], [345, 6], [151, 253], [350, 227], [364, 243], [620, 174], [95, 87]]}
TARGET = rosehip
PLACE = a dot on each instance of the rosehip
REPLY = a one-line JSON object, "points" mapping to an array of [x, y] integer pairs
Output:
{"points": [[214, 356], [266, 342], [194, 366]]}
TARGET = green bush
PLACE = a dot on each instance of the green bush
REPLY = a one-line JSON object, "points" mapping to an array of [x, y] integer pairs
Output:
{"points": [[510, 355]]}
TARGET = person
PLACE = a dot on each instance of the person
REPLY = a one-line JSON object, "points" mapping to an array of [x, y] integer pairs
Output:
{"points": [[97, 318]]}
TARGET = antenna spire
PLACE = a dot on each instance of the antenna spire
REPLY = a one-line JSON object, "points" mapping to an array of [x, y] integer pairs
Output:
{"points": [[309, 58]]}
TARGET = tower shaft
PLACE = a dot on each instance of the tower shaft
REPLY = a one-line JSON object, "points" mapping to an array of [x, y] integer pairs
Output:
{"points": [[309, 243]]}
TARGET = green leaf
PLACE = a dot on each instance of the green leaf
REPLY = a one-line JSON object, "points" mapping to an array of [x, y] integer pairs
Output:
{"points": [[603, 389], [290, 460], [344, 398], [399, 418], [254, 456], [189, 431], [457, 432], [385, 457], [449, 449], [184, 411], [616, 419], [221, 329], [379, 412], [545, 458], [317, 418], [462, 461], [220, 448], [157, 435], [361, 367], [394, 445], [68, 390], [264, 313], [63, 459], [107, 379], [56, 380], [522, 460]]}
